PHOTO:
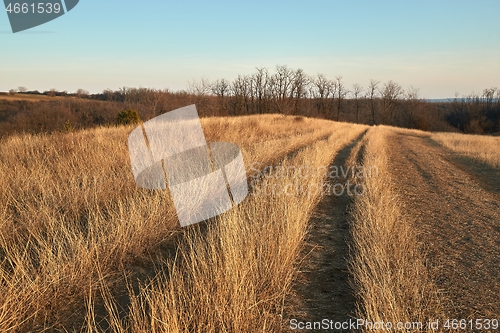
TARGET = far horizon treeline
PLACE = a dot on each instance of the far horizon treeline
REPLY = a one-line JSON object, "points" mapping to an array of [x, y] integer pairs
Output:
{"points": [[286, 91]]}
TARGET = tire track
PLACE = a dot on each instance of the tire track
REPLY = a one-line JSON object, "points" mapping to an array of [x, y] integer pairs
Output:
{"points": [[324, 290]]}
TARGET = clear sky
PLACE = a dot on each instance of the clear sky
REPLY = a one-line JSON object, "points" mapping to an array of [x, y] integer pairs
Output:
{"points": [[439, 46]]}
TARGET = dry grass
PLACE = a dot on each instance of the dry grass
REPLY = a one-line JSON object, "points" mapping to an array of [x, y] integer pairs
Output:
{"points": [[76, 234], [235, 276], [71, 217], [391, 280], [479, 147], [73, 224], [266, 139], [28, 97]]}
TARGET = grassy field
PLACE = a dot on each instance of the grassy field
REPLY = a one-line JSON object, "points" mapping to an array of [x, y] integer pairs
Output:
{"points": [[479, 147], [27, 97], [83, 249]]}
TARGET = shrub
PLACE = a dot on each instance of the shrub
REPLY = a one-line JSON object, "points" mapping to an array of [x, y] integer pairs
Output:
{"points": [[68, 127], [128, 116], [474, 127]]}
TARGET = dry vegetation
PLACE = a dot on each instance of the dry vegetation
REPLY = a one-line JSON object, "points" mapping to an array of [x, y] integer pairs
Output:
{"points": [[82, 248], [455, 202], [235, 275], [75, 230], [424, 242], [27, 97], [391, 280], [479, 147]]}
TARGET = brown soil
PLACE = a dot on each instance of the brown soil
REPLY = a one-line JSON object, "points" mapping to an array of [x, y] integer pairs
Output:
{"points": [[455, 204]]}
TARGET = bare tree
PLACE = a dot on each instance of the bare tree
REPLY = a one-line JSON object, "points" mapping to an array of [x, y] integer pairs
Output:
{"points": [[390, 93], [497, 99], [489, 96], [221, 88], [357, 91], [22, 89], [412, 94], [108, 94], [52, 92], [240, 94], [12, 91], [283, 81], [153, 99], [199, 88], [321, 91], [280, 84], [260, 89], [412, 108], [341, 94], [246, 89], [80, 93], [300, 82], [372, 95]]}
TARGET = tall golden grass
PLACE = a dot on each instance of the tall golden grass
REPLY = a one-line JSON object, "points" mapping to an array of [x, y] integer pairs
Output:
{"points": [[234, 275], [74, 226], [71, 219], [390, 279], [479, 147], [83, 249]]}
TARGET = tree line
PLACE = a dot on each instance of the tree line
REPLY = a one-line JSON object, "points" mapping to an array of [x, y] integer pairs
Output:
{"points": [[285, 90]]}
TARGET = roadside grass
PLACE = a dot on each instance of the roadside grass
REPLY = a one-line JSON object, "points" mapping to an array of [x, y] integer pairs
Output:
{"points": [[482, 148], [391, 280]]}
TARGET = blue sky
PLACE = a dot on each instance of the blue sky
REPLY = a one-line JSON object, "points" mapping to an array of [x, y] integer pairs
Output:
{"points": [[441, 47]]}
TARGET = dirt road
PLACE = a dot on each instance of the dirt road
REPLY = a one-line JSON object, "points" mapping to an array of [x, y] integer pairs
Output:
{"points": [[455, 205]]}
